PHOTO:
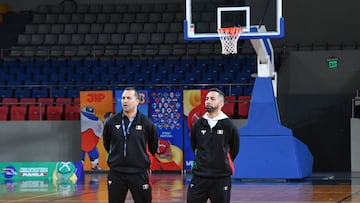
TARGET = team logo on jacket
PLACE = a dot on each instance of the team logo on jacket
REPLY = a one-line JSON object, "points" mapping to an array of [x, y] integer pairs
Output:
{"points": [[220, 132], [203, 132], [138, 127], [117, 126]]}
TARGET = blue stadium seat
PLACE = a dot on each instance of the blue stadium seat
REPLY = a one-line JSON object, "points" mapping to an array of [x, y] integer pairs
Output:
{"points": [[155, 63], [122, 63], [58, 92], [158, 78], [92, 78], [25, 63], [221, 62], [7, 78], [22, 92], [209, 78], [96, 69], [73, 93], [231, 69], [30, 82], [90, 63], [56, 78], [141, 75], [175, 79], [49, 70], [36, 69], [59, 63], [236, 90], [6, 92], [243, 77], [106, 63], [41, 79], [248, 91], [14, 82], [125, 78], [73, 63], [40, 92], [139, 63], [42, 63], [108, 78], [12, 63], [194, 77], [116, 69], [226, 77], [23, 77], [248, 68]]}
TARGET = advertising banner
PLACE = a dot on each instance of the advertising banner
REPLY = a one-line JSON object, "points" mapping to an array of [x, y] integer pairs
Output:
{"points": [[96, 107], [194, 108], [57, 171], [166, 112], [58, 177]]}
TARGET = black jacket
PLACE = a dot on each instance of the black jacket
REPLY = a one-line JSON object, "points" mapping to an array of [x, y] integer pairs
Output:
{"points": [[215, 149], [142, 141]]}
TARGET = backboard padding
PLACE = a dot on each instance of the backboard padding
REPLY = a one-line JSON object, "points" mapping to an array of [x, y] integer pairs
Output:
{"points": [[201, 18]]}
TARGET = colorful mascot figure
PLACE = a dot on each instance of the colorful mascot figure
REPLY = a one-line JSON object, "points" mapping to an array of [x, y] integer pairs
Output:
{"points": [[91, 131]]}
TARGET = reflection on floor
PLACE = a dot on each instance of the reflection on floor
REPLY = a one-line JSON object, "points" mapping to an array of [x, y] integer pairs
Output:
{"points": [[171, 188]]}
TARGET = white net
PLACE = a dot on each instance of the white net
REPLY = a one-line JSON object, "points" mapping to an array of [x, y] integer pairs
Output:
{"points": [[229, 38]]}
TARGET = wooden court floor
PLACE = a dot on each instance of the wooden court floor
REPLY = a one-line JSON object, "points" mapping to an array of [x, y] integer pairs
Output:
{"points": [[171, 188]]}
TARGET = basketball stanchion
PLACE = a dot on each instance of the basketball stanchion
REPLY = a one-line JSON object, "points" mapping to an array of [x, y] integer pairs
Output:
{"points": [[229, 37]]}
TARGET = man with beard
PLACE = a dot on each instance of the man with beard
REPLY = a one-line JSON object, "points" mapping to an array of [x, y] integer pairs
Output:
{"points": [[215, 141]]}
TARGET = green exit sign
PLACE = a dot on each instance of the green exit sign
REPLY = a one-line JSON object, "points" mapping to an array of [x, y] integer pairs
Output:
{"points": [[332, 62]]}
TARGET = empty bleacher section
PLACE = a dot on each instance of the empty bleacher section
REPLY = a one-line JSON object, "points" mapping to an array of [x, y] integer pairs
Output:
{"points": [[63, 49], [108, 31]]}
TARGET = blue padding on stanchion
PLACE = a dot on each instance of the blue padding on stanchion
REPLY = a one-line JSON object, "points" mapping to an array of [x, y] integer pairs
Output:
{"points": [[268, 149], [283, 157], [263, 113]]}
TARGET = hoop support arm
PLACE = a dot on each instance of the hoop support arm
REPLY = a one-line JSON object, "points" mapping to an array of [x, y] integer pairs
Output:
{"points": [[265, 59]]}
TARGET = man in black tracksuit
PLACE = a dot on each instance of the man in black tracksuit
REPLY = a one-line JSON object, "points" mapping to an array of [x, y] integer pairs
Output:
{"points": [[215, 141], [129, 138]]}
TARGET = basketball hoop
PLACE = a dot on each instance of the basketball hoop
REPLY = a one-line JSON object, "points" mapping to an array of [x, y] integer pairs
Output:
{"points": [[229, 37]]}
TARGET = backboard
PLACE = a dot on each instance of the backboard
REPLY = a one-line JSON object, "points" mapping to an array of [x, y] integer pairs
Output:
{"points": [[260, 19]]}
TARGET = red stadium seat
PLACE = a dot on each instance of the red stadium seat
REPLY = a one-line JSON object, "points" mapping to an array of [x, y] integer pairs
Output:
{"points": [[36, 112], [62, 100], [72, 112], [77, 100], [243, 106], [229, 106], [45, 101], [54, 112], [10, 100], [4, 110], [17, 112], [27, 101]]}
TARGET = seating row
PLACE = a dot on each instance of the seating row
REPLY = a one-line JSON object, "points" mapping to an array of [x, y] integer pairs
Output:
{"points": [[100, 39], [67, 109], [90, 18], [70, 7], [39, 109], [74, 90], [97, 28], [218, 63]]}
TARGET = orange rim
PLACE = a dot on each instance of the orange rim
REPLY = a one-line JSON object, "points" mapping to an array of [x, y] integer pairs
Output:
{"points": [[231, 31]]}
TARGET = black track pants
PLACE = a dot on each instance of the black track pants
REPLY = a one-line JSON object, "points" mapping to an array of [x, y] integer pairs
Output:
{"points": [[216, 189], [138, 184]]}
